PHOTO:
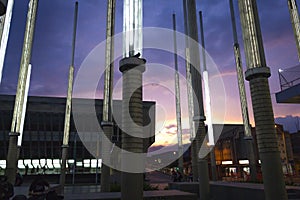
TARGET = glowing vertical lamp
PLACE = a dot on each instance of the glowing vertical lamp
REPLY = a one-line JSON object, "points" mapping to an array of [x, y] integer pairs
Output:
{"points": [[132, 27]]}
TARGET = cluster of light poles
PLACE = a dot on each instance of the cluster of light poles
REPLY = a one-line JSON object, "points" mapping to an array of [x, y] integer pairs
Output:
{"points": [[257, 74]]}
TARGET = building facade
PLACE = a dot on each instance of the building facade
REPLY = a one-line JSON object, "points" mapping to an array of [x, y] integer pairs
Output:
{"points": [[44, 128], [232, 154]]}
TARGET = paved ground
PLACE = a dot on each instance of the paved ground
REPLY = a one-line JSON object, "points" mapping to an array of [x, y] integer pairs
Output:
{"points": [[162, 194], [90, 191], [158, 179]]}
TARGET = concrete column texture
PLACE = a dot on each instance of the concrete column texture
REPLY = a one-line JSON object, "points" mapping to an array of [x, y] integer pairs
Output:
{"points": [[64, 156], [12, 160], [194, 153], [266, 137], [202, 163], [107, 128], [214, 175], [132, 69], [257, 74], [252, 159]]}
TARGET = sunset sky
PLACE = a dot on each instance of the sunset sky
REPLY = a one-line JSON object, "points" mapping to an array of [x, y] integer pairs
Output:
{"points": [[52, 53]]}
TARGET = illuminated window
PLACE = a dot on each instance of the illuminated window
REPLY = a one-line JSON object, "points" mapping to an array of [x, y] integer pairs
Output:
{"points": [[21, 164], [94, 163], [3, 164], [229, 162], [56, 163], [86, 163], [244, 162]]}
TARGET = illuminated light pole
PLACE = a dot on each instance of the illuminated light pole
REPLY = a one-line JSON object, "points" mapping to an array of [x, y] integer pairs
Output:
{"points": [[19, 143], [257, 74], [132, 68], [243, 98], [190, 95], [210, 131], [132, 27], [12, 158], [293, 9], [177, 99], [23, 111], [65, 145], [199, 117], [194, 150], [5, 27], [107, 123]]}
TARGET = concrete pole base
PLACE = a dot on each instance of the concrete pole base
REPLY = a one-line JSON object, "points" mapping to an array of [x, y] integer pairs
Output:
{"points": [[132, 69], [274, 184], [12, 158], [213, 164], [252, 160], [203, 180], [62, 178], [194, 152], [131, 179], [106, 147]]}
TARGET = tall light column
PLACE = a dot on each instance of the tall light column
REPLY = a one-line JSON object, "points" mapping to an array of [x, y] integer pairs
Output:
{"points": [[210, 130], [107, 123], [257, 74], [132, 27], [199, 117], [243, 98], [19, 143], [293, 8], [177, 100], [65, 145], [12, 158], [132, 68], [5, 27], [190, 95]]}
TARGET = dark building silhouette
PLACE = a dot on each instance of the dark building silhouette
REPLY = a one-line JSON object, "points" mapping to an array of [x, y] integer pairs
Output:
{"points": [[44, 127]]}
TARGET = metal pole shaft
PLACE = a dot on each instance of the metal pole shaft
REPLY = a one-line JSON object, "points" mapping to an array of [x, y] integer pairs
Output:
{"points": [[74, 33], [107, 124], [202, 40], [257, 74], [240, 76], [199, 117], [190, 94], [177, 99], [293, 9], [211, 141], [65, 145], [19, 101], [243, 98], [109, 65], [75, 158], [5, 27]]}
